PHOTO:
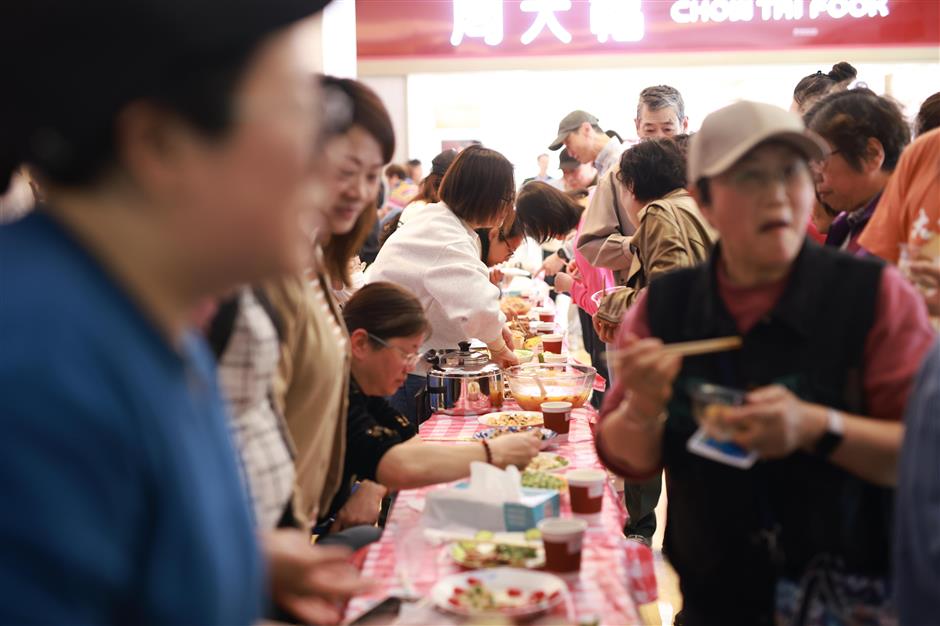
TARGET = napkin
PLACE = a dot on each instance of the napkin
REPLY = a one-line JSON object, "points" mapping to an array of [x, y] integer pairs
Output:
{"points": [[477, 505]]}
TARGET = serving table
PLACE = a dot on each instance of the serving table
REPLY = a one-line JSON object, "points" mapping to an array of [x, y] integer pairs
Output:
{"points": [[616, 577]]}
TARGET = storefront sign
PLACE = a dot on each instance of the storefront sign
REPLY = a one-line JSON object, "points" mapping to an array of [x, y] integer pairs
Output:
{"points": [[452, 28]]}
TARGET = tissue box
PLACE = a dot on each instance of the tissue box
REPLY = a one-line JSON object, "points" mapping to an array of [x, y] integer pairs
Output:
{"points": [[447, 508]]}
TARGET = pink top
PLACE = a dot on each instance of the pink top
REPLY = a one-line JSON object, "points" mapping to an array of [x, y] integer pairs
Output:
{"points": [[896, 344], [594, 278]]}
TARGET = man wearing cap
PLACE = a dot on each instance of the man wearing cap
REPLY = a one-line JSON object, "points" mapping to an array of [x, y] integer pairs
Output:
{"points": [[173, 142], [660, 112], [805, 530], [584, 139]]}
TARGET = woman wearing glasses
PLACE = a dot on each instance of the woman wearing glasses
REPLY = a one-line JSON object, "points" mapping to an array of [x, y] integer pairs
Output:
{"points": [[387, 328]]}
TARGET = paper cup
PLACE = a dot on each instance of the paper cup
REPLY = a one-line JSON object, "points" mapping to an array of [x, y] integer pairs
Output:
{"points": [[557, 416], [552, 343], [563, 539], [586, 487], [558, 359]]}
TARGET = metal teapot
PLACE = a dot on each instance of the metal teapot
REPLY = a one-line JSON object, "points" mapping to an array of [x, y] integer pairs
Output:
{"points": [[463, 382]]}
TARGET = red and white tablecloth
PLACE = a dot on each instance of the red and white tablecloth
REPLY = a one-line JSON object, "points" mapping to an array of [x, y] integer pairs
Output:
{"points": [[616, 575]]}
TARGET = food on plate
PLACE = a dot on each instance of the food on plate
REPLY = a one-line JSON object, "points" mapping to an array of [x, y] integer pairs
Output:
{"points": [[482, 554], [524, 356], [514, 306], [477, 597], [543, 480], [546, 434], [546, 462], [532, 343], [513, 418]]}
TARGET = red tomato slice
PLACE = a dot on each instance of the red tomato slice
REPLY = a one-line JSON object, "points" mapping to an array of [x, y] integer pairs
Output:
{"points": [[454, 601], [475, 582], [458, 591], [538, 596], [513, 593], [554, 595]]}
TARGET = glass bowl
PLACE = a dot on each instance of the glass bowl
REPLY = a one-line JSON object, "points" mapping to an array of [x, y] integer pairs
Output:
{"points": [[532, 384]]}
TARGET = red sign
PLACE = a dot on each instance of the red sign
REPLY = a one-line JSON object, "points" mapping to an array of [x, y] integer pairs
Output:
{"points": [[505, 28]]}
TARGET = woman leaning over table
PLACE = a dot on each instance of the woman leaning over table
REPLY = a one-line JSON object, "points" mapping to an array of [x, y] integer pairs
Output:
{"points": [[387, 327], [436, 256], [804, 533], [313, 373]]}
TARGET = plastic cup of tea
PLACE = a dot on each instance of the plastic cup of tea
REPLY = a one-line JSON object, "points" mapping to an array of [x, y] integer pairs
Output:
{"points": [[552, 343], [555, 359], [557, 416], [546, 315], [709, 403], [563, 539], [545, 328], [586, 487]]}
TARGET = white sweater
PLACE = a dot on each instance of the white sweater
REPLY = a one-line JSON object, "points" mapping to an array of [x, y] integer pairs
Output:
{"points": [[436, 256]]}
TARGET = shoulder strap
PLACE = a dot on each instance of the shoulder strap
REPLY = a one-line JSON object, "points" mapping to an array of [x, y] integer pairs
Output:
{"points": [[223, 324]]}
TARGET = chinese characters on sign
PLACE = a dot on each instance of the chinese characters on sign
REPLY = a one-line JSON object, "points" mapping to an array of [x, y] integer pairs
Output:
{"points": [[546, 17], [623, 20]]}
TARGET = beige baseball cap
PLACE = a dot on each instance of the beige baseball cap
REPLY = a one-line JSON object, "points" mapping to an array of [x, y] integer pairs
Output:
{"points": [[729, 133]]}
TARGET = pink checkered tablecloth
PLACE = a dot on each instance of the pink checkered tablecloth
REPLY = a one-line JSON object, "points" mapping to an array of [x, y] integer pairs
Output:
{"points": [[616, 575]]}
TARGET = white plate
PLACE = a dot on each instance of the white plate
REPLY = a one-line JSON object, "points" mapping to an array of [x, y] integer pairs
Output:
{"points": [[486, 419], [500, 581]]}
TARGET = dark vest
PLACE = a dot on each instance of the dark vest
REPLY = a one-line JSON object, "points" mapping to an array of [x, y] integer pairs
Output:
{"points": [[732, 532]]}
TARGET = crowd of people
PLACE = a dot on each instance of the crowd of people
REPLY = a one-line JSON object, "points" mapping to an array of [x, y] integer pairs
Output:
{"points": [[213, 319]]}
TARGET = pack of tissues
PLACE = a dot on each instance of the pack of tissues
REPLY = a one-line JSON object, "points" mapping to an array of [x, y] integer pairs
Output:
{"points": [[493, 499]]}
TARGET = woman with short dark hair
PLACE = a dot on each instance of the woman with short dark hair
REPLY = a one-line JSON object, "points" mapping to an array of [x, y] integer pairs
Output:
{"points": [[866, 134], [670, 231], [436, 255]]}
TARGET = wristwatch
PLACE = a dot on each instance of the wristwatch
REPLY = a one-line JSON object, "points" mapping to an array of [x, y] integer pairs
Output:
{"points": [[562, 254], [835, 432]]}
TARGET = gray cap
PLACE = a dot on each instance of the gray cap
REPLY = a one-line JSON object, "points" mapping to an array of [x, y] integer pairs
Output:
{"points": [[729, 133], [569, 124]]}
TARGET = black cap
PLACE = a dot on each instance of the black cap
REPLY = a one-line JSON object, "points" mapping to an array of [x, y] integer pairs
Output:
{"points": [[566, 162], [70, 65], [441, 162]]}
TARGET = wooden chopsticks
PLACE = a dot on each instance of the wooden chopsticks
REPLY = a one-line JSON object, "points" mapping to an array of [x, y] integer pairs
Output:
{"points": [[693, 348]]}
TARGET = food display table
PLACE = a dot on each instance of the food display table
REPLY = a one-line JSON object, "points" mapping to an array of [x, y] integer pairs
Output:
{"points": [[616, 576]]}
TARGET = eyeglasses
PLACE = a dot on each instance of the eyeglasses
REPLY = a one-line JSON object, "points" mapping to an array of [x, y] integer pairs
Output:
{"points": [[752, 179], [408, 358], [818, 167]]}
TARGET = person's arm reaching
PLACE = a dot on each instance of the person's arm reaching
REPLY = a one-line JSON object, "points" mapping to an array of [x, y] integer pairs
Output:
{"points": [[602, 242], [416, 463], [460, 283]]}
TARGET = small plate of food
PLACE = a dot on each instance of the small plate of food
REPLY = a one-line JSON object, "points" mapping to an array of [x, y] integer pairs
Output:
{"points": [[547, 462], [543, 480], [502, 419], [501, 591], [547, 435], [487, 551]]}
